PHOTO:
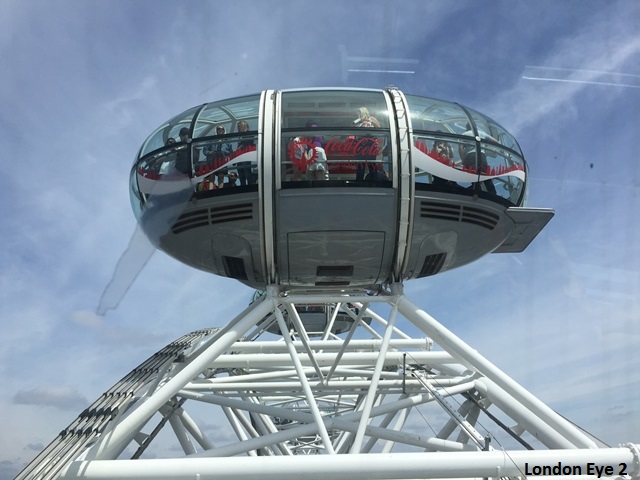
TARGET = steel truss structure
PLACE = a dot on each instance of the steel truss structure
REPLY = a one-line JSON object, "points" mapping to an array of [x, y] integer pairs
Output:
{"points": [[371, 403]]}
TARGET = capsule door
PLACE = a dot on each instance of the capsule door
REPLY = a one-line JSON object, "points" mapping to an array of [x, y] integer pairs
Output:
{"points": [[335, 197]]}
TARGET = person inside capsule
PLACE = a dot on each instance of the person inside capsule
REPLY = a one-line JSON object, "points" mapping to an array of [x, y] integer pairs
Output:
{"points": [[365, 120], [468, 156], [217, 154], [233, 180], [308, 159], [183, 164], [245, 170], [444, 152]]}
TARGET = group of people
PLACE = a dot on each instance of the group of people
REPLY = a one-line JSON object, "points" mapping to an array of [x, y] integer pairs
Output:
{"points": [[468, 155], [216, 156], [309, 159], [369, 171]]}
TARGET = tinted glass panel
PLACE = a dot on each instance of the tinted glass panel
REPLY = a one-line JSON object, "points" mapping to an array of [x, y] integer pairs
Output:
{"points": [[168, 132], [327, 155], [492, 131], [335, 135], [227, 162], [342, 109], [227, 114], [432, 115], [456, 166]]}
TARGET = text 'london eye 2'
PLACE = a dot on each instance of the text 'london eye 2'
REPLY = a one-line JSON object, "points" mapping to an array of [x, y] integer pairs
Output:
{"points": [[325, 201]]}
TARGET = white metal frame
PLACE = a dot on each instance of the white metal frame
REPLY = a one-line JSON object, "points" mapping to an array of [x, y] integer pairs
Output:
{"points": [[374, 402]]}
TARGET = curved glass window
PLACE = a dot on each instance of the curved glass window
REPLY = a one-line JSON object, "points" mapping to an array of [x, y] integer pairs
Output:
{"points": [[454, 165], [230, 161], [338, 136], [168, 132], [343, 157], [440, 161], [156, 173], [430, 115], [448, 157], [491, 130], [220, 151], [227, 113], [506, 171]]}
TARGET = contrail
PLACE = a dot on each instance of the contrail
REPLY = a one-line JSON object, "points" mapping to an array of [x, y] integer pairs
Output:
{"points": [[566, 80], [586, 74], [599, 72]]}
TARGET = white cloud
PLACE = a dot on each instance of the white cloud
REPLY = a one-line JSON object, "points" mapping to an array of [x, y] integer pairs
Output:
{"points": [[88, 319], [583, 54], [61, 397], [76, 105]]}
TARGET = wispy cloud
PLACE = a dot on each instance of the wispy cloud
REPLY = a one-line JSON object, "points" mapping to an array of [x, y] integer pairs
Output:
{"points": [[61, 397], [583, 60], [77, 101]]}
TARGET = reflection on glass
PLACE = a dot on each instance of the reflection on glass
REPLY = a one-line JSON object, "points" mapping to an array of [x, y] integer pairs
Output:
{"points": [[216, 163], [428, 114], [334, 109], [507, 171], [333, 138], [227, 113], [456, 165], [490, 129], [208, 156], [167, 132], [228, 162], [335, 135], [158, 173], [324, 155]]}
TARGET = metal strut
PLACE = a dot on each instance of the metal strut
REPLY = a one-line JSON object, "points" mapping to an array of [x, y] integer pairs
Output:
{"points": [[373, 402]]}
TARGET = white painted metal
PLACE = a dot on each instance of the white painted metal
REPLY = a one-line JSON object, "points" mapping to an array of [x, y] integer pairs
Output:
{"points": [[373, 466], [371, 345], [266, 179], [373, 388], [471, 358], [387, 406], [405, 184]]}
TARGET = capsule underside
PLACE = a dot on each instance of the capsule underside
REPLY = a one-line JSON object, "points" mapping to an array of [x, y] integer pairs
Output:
{"points": [[332, 189]]}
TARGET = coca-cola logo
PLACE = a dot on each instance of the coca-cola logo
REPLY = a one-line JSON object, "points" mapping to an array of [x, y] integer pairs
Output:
{"points": [[366, 146]]}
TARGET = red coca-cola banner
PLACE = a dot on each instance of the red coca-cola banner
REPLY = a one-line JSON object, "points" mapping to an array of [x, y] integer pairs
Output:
{"points": [[353, 147]]}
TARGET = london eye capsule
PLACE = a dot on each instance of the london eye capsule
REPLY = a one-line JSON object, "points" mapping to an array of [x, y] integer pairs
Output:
{"points": [[332, 189]]}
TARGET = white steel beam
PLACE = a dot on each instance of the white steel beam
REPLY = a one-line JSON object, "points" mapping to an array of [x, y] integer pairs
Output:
{"points": [[305, 385], [322, 393], [111, 444], [361, 467], [368, 404], [569, 436], [258, 360]]}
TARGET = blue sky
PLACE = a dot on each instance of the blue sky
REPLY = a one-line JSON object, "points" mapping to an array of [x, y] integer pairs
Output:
{"points": [[84, 83]]}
